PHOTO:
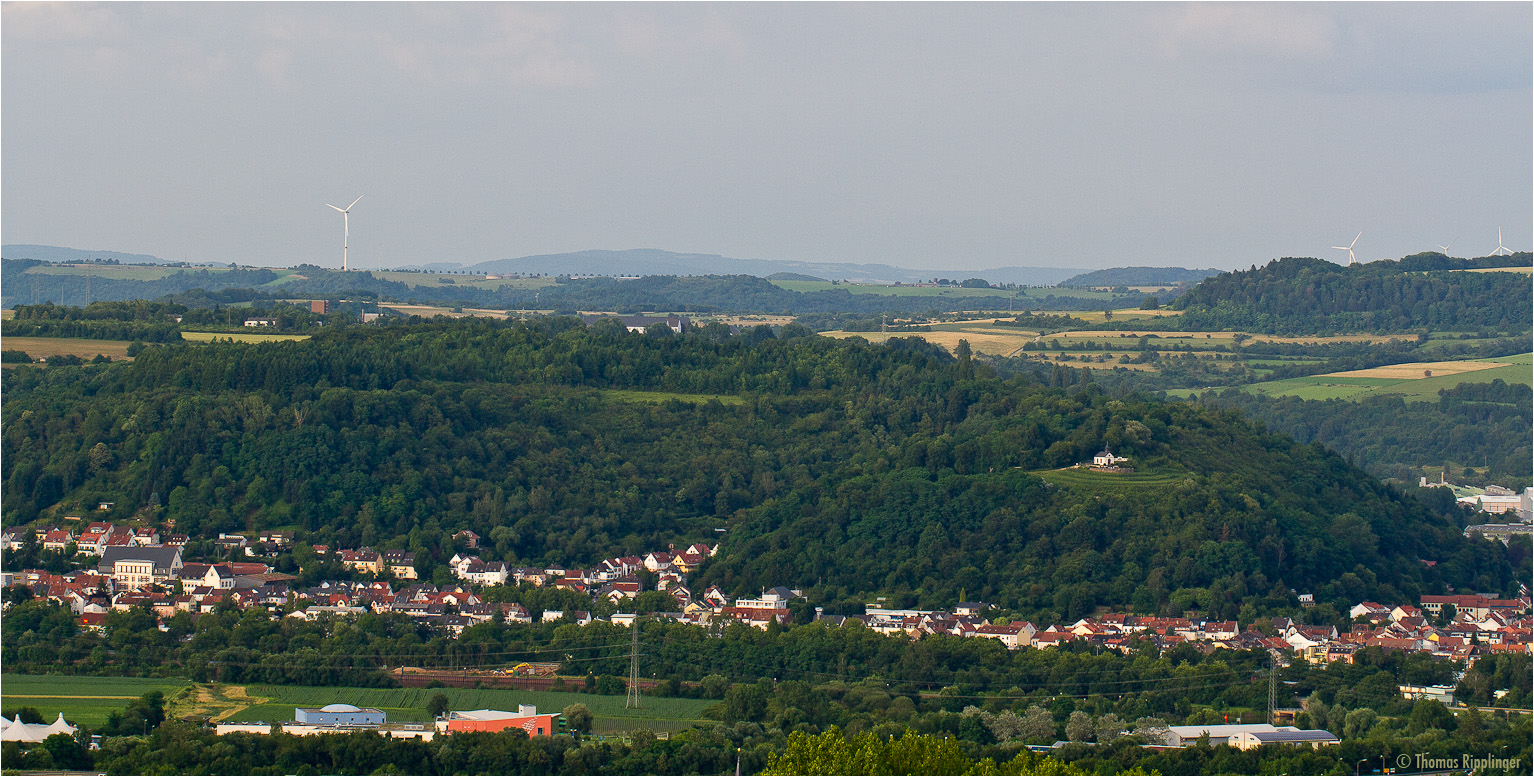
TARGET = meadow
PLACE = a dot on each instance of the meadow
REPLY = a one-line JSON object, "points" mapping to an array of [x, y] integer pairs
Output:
{"points": [[1417, 382], [435, 280], [83, 700], [87, 701], [943, 292]]}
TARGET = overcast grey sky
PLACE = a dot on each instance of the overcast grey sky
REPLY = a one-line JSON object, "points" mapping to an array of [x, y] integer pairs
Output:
{"points": [[945, 135]]}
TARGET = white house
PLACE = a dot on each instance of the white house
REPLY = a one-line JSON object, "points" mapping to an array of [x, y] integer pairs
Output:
{"points": [[1107, 459]]}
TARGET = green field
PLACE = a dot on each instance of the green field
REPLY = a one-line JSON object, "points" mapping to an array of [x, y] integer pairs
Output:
{"points": [[652, 397], [83, 700], [434, 281], [940, 292], [114, 271], [1413, 390], [87, 700]]}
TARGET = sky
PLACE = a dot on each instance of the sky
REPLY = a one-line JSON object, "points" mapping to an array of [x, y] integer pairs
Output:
{"points": [[942, 136]]}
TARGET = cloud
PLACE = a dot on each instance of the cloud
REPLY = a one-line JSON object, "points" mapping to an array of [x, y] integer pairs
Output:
{"points": [[646, 37], [1247, 29], [54, 24]]}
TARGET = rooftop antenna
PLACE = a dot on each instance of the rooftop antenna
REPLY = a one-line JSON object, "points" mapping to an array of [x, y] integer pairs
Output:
{"points": [[1352, 260], [1501, 249], [346, 232]]}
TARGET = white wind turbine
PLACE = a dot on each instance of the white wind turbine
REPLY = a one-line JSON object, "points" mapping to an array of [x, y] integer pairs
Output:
{"points": [[1445, 249], [1501, 249], [1349, 248], [346, 231]]}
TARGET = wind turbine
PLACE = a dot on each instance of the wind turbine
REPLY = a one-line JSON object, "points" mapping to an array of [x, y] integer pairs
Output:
{"points": [[1445, 249], [346, 231], [1349, 248], [1501, 249]]}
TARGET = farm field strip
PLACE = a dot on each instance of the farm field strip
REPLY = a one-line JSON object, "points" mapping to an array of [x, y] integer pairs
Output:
{"points": [[990, 344], [410, 703], [427, 311], [1409, 381], [239, 337], [54, 346], [83, 700]]}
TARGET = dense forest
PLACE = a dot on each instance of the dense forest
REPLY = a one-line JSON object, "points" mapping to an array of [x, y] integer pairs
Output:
{"points": [[1480, 425], [1295, 296], [1139, 276], [839, 467]]}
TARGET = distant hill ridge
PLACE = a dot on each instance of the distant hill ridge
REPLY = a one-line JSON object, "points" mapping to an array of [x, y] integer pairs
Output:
{"points": [[1140, 276], [652, 261], [61, 254]]}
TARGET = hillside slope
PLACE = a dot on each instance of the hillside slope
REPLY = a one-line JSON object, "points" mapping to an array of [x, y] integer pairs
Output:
{"points": [[841, 467]]}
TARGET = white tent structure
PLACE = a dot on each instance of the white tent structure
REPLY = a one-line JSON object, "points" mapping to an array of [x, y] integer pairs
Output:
{"points": [[17, 731]]}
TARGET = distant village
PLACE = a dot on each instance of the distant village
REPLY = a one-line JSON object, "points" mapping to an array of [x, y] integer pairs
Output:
{"points": [[140, 568]]}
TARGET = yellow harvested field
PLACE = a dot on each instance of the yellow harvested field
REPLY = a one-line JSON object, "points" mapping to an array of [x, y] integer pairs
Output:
{"points": [[999, 344], [7, 314], [750, 321], [239, 337], [54, 346], [1417, 370], [1524, 270]]}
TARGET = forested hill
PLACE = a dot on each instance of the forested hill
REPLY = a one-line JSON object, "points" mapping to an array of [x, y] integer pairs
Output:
{"points": [[837, 466], [1139, 276], [699, 293], [1310, 296]]}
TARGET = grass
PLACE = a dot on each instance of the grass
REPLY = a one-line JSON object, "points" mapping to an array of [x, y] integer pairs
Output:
{"points": [[113, 271], [1405, 380], [87, 700], [54, 346], [432, 281], [655, 397], [83, 700], [941, 292], [239, 337]]}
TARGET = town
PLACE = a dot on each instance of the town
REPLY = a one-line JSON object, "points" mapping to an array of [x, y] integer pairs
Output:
{"points": [[137, 569]]}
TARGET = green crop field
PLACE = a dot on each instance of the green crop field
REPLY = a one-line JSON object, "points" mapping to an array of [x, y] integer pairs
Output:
{"points": [[434, 280], [1413, 389], [941, 292], [83, 700], [113, 271]]}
